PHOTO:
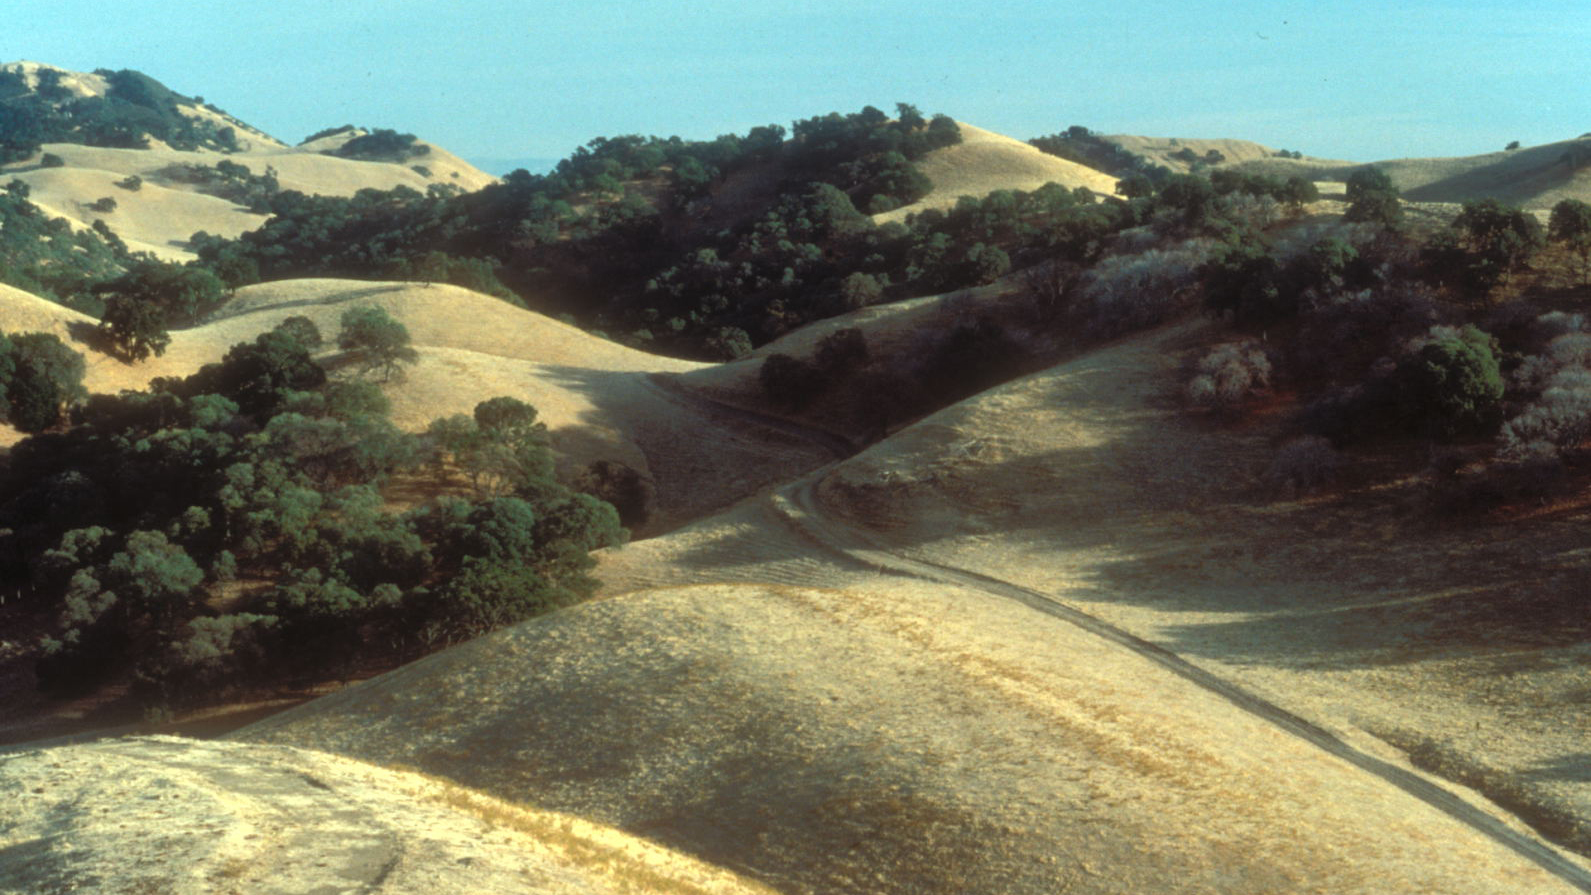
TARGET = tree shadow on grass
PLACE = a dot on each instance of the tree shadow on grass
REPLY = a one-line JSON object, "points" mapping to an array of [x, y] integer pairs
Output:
{"points": [[1572, 768]]}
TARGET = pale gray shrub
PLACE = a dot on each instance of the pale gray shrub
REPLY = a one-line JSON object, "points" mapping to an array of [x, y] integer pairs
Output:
{"points": [[1556, 323], [1130, 292], [1568, 352], [1560, 416], [1230, 374]]}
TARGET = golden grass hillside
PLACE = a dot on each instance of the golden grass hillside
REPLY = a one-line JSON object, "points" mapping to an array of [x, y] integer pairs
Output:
{"points": [[1163, 150], [178, 816], [1463, 646], [164, 213], [984, 162], [155, 219], [896, 738], [597, 397], [1534, 177], [22, 311]]}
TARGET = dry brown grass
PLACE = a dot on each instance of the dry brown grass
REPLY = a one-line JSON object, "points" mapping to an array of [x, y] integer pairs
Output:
{"points": [[161, 216], [985, 161], [183, 817], [889, 736]]}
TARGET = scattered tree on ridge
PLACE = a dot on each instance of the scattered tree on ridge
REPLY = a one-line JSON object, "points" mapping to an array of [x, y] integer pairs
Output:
{"points": [[1372, 198], [378, 341]]}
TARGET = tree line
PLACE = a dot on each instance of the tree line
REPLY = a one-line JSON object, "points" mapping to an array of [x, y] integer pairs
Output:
{"points": [[226, 530]]}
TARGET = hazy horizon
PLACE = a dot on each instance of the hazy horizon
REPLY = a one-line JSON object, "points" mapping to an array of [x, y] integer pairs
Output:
{"points": [[503, 82]]}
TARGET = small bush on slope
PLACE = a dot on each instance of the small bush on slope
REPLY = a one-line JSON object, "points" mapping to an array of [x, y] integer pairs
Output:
{"points": [[1229, 375]]}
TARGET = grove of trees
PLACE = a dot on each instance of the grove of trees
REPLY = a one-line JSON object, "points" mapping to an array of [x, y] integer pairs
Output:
{"points": [[259, 478]]}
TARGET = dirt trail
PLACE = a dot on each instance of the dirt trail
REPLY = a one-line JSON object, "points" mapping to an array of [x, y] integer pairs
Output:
{"points": [[799, 505]]}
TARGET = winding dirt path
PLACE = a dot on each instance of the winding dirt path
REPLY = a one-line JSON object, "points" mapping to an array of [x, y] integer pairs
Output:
{"points": [[798, 505]]}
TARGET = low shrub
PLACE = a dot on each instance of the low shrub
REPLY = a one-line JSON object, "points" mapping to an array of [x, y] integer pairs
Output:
{"points": [[1229, 375]]}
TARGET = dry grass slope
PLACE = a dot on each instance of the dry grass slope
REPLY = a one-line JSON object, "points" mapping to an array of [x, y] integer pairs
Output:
{"points": [[984, 162], [160, 217], [595, 396], [176, 816], [1464, 646], [895, 738]]}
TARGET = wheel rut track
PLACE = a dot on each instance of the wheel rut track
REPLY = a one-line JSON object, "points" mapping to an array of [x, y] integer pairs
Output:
{"points": [[798, 506], [313, 823]]}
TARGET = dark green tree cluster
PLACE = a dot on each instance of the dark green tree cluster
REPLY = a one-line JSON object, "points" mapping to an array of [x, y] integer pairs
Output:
{"points": [[45, 256], [227, 180], [1488, 243], [1570, 226], [1372, 198], [382, 145], [440, 267], [151, 297], [40, 379], [125, 528], [869, 155], [1079, 144], [357, 236], [1247, 281], [376, 341]]}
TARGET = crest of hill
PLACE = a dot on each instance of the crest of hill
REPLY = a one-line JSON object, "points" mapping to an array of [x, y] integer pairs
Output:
{"points": [[806, 736], [984, 162], [1535, 177], [180, 816], [596, 397], [1532, 177], [85, 85], [79, 84], [1163, 150], [162, 215]]}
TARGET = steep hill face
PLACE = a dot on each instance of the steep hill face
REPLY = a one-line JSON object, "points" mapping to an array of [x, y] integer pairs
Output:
{"points": [[177, 816], [897, 738]]}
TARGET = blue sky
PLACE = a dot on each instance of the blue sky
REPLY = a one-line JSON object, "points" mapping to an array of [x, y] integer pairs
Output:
{"points": [[535, 78]]}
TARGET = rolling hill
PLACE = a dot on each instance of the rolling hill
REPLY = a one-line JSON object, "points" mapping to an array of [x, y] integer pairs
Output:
{"points": [[177, 816], [1535, 177], [598, 398], [167, 209], [985, 161], [1065, 634], [894, 737]]}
